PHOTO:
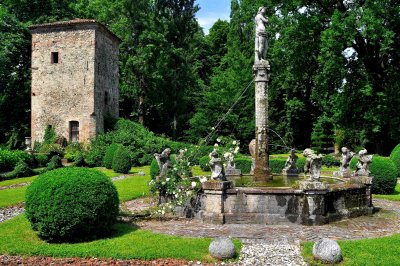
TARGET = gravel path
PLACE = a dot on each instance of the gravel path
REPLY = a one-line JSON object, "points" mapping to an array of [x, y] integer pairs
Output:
{"points": [[15, 185], [10, 212]]}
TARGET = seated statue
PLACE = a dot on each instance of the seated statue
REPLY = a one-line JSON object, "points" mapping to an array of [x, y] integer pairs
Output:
{"points": [[313, 164], [217, 167], [347, 155], [164, 162], [290, 164], [363, 163]]}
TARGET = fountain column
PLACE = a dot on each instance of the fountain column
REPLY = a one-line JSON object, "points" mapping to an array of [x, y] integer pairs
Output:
{"points": [[261, 68], [262, 172]]}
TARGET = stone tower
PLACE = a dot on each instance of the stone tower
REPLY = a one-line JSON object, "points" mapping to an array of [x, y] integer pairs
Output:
{"points": [[74, 78]]}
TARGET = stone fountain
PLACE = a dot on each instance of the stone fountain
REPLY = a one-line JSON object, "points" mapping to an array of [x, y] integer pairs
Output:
{"points": [[310, 202]]}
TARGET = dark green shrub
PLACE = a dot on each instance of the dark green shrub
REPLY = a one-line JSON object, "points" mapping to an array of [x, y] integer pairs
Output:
{"points": [[276, 165], [108, 157], [203, 162], [55, 162], [10, 158], [146, 159], [301, 162], [384, 172], [122, 161], [72, 150], [72, 204], [353, 163], [41, 159], [329, 160], [244, 164], [79, 160], [22, 169], [395, 157], [50, 135], [94, 156], [154, 169]]}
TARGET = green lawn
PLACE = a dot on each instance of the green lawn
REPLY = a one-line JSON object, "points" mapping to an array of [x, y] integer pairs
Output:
{"points": [[17, 238], [196, 171], [373, 252], [11, 197], [129, 188], [16, 181], [394, 196]]}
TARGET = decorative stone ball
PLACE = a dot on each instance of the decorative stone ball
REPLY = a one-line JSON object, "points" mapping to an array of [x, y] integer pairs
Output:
{"points": [[222, 248], [327, 251]]}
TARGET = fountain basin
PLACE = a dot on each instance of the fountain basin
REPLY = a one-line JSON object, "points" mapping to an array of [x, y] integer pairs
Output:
{"points": [[311, 204]]}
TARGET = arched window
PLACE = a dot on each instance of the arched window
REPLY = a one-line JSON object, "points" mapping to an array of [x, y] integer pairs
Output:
{"points": [[73, 131]]}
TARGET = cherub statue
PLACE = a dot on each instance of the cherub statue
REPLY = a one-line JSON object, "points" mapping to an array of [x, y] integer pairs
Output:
{"points": [[313, 164], [363, 163], [347, 155], [217, 167], [290, 164], [164, 161]]}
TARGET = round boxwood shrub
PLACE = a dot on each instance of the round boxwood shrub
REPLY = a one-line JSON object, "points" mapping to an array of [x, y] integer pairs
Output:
{"points": [[72, 204], [395, 157], [203, 162], [154, 169], [122, 161], [385, 175], [244, 164], [301, 162], [109, 156], [41, 159]]}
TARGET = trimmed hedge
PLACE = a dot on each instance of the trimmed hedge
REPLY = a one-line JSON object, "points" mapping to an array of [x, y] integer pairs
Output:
{"points": [[55, 162], [72, 204], [276, 165], [353, 163], [203, 162], [154, 169], [244, 164], [41, 159], [301, 162], [22, 169], [384, 172], [109, 156], [121, 162], [395, 157], [330, 160]]}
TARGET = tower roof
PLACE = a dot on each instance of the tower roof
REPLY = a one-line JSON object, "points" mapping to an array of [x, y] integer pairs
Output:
{"points": [[75, 23]]}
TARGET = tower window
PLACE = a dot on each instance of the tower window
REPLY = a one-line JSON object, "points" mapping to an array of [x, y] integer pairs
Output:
{"points": [[54, 57], [73, 131], [106, 98]]}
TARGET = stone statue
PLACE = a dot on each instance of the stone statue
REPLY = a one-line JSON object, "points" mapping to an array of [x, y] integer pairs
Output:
{"points": [[230, 160], [347, 155], [252, 150], [217, 168], [290, 164], [261, 42], [164, 161], [363, 163], [313, 164]]}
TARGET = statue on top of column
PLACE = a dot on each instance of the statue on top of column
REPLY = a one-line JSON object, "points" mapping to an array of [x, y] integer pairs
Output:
{"points": [[261, 43]]}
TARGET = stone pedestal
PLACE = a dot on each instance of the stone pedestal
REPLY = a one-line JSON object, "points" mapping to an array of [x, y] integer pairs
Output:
{"points": [[315, 194], [367, 181], [262, 172], [233, 172], [213, 201]]}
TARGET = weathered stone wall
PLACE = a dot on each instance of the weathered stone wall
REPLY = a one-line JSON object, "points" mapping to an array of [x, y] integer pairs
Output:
{"points": [[106, 78], [74, 88]]}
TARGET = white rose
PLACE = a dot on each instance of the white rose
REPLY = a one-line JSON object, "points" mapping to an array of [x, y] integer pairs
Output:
{"points": [[194, 184], [234, 142], [216, 145], [218, 140], [167, 179]]}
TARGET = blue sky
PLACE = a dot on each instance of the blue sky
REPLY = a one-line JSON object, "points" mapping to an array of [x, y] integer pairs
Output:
{"points": [[212, 10]]}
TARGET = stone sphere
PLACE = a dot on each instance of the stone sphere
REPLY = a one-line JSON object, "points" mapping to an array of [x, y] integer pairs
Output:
{"points": [[222, 248], [327, 251]]}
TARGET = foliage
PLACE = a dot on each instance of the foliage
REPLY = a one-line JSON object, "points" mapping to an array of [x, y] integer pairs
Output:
{"points": [[301, 162], [72, 204], [72, 150], [10, 158], [384, 172], [394, 196], [54, 163], [41, 159], [330, 160], [50, 135], [79, 160], [109, 156], [121, 162], [203, 162], [22, 169], [244, 164], [277, 165], [395, 157], [154, 169], [52, 149], [95, 154], [353, 163]]}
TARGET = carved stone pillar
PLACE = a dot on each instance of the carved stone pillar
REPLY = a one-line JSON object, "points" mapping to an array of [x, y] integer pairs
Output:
{"points": [[262, 172]]}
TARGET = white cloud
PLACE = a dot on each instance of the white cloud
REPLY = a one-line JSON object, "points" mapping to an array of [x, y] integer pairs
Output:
{"points": [[207, 21]]}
